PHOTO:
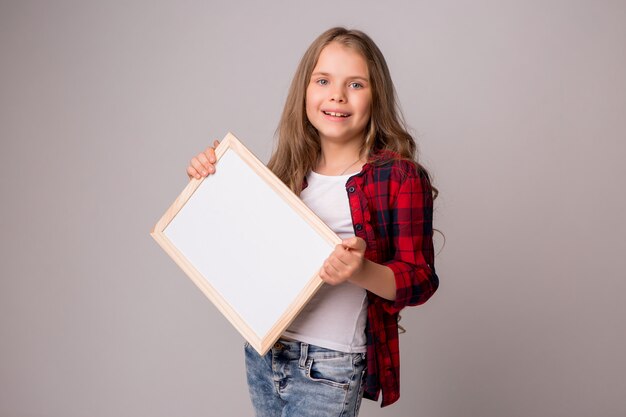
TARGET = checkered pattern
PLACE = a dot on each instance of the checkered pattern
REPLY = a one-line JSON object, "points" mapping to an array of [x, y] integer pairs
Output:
{"points": [[392, 207]]}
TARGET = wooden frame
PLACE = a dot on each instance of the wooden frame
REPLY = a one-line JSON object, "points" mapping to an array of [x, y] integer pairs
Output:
{"points": [[248, 243]]}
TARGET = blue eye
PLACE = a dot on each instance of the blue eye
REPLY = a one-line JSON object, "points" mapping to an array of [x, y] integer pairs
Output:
{"points": [[356, 85], [322, 81]]}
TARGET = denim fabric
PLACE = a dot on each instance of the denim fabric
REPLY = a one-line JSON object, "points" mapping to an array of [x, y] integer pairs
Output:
{"points": [[295, 379]]}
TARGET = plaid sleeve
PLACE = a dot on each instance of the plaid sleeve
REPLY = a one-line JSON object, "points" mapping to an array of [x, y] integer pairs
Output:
{"points": [[410, 220]]}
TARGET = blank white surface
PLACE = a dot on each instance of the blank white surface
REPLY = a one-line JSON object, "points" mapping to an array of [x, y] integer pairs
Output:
{"points": [[247, 241]]}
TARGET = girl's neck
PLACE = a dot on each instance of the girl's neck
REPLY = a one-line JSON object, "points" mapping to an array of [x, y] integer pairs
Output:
{"points": [[340, 159]]}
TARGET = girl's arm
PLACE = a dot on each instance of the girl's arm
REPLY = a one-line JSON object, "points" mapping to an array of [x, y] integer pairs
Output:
{"points": [[376, 278], [408, 278], [410, 218]]}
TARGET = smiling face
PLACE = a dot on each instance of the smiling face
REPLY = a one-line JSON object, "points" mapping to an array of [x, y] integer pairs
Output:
{"points": [[339, 96]]}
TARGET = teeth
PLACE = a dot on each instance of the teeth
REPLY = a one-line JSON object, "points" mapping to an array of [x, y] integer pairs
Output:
{"points": [[330, 113]]}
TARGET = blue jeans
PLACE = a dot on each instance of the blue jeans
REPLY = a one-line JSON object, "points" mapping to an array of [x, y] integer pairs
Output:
{"points": [[295, 379]]}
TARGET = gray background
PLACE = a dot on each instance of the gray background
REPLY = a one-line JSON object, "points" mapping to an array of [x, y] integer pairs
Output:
{"points": [[519, 110]]}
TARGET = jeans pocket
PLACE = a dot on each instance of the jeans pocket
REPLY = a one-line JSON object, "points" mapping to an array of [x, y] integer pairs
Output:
{"points": [[334, 371]]}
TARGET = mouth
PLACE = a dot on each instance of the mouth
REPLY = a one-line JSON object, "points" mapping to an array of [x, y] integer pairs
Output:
{"points": [[335, 114]]}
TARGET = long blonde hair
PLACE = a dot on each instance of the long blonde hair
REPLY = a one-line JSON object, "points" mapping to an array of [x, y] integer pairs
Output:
{"points": [[298, 146]]}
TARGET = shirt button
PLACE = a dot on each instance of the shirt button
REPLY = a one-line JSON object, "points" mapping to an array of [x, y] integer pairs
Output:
{"points": [[358, 227], [351, 189]]}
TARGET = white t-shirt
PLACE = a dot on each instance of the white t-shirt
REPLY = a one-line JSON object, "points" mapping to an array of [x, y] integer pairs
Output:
{"points": [[335, 317]]}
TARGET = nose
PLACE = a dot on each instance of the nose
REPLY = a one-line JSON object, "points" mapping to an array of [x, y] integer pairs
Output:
{"points": [[338, 95]]}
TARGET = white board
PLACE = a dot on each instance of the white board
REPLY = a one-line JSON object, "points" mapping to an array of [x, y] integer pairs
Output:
{"points": [[250, 244]]}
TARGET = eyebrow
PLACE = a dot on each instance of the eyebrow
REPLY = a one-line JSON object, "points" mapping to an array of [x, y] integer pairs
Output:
{"points": [[354, 77]]}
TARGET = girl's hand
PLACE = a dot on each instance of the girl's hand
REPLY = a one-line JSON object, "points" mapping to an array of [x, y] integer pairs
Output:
{"points": [[203, 164], [344, 262]]}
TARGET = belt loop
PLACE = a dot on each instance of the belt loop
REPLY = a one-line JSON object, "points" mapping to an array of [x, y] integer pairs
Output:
{"points": [[304, 353]]}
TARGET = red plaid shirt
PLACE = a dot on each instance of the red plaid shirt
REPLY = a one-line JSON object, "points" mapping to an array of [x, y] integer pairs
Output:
{"points": [[392, 207]]}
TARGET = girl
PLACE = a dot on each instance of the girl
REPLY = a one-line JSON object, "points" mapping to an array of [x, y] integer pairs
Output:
{"points": [[344, 149]]}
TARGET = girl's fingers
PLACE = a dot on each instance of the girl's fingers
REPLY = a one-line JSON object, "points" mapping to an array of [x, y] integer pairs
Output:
{"points": [[327, 274], [199, 167], [355, 244], [349, 257], [210, 152], [334, 271], [207, 165], [333, 266], [323, 275], [342, 254], [192, 173], [342, 263], [204, 163]]}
